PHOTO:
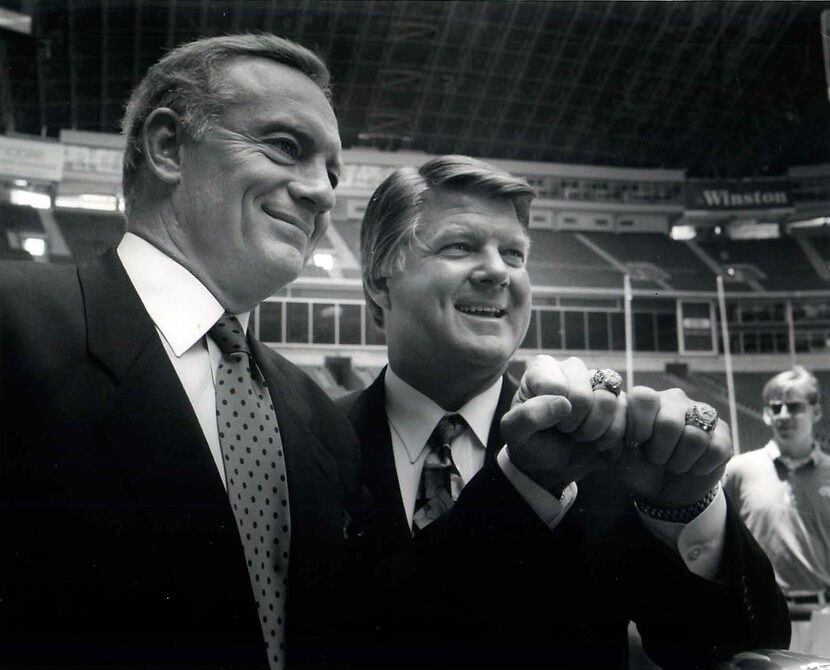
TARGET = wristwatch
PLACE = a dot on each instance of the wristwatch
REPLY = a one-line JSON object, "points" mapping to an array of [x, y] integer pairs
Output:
{"points": [[678, 514]]}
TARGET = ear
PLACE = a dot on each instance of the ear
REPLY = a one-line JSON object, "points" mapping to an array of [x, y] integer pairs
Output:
{"points": [[767, 418], [816, 412], [380, 293], [162, 138]]}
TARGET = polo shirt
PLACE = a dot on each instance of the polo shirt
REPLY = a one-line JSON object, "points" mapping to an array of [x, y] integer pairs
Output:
{"points": [[786, 506]]}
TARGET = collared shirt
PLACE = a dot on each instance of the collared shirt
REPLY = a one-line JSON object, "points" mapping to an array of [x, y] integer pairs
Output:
{"points": [[774, 451], [182, 310], [412, 417], [786, 506]]}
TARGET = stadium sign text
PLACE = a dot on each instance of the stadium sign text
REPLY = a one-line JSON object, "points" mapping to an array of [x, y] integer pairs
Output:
{"points": [[737, 196], [31, 159]]}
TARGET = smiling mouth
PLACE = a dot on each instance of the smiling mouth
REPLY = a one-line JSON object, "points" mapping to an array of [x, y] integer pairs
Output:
{"points": [[306, 229], [481, 311]]}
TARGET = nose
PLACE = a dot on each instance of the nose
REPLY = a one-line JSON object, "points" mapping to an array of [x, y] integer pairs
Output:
{"points": [[491, 270], [312, 187]]}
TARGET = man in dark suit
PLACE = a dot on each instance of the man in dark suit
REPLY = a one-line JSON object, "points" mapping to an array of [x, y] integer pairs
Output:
{"points": [[537, 555], [120, 543]]}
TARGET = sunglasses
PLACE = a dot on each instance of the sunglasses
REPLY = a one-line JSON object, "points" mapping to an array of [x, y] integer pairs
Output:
{"points": [[792, 407]]}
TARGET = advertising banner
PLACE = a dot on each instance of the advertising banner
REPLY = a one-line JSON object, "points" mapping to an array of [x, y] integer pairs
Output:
{"points": [[703, 197], [30, 159]]}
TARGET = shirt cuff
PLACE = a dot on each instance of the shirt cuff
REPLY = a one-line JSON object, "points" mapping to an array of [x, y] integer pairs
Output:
{"points": [[547, 506], [699, 542]]}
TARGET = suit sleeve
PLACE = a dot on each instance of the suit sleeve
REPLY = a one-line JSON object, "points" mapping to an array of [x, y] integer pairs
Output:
{"points": [[523, 595], [689, 622]]}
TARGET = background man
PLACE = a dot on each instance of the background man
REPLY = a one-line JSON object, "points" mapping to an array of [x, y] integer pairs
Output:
{"points": [[143, 451], [782, 492], [532, 572]]}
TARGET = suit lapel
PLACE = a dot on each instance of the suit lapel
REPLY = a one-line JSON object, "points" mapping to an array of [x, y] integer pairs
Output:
{"points": [[149, 423], [306, 459], [368, 417], [315, 489], [494, 440]]}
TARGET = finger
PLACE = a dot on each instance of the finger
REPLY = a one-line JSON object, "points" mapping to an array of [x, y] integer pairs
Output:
{"points": [[643, 405], [718, 453], [599, 418], [532, 416], [612, 439], [668, 426], [543, 376], [691, 446], [580, 393]]}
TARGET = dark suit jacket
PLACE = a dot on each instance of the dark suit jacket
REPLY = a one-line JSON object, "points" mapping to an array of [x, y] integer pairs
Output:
{"points": [[119, 545], [501, 590]]}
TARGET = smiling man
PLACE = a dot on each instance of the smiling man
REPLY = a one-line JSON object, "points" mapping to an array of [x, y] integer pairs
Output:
{"points": [[533, 554], [782, 492], [156, 463]]}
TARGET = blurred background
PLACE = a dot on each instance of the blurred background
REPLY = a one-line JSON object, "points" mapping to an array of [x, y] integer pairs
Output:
{"points": [[671, 144]]}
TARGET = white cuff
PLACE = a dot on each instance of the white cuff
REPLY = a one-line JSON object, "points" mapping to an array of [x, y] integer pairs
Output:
{"points": [[547, 506], [699, 542]]}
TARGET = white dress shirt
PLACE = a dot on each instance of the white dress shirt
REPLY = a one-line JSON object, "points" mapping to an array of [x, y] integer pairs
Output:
{"points": [[183, 311], [412, 418]]}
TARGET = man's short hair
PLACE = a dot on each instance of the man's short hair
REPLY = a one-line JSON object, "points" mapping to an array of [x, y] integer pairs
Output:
{"points": [[395, 210], [797, 377], [186, 81]]}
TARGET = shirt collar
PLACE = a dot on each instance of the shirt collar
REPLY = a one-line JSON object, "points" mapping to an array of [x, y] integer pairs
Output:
{"points": [[180, 306], [815, 457], [414, 416]]}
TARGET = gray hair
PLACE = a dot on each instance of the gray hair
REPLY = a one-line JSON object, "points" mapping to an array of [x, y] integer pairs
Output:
{"points": [[395, 211], [186, 81]]}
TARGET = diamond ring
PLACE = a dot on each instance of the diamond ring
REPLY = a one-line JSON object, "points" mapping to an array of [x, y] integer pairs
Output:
{"points": [[702, 416], [607, 379]]}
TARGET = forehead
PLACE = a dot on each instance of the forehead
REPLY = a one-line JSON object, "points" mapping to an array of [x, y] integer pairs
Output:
{"points": [[789, 392], [265, 92], [473, 212]]}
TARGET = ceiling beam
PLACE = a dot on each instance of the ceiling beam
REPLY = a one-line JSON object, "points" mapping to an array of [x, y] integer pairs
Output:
{"points": [[519, 72]]}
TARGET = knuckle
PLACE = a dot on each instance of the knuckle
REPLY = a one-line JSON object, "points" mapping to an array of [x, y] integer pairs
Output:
{"points": [[674, 395], [643, 396]]}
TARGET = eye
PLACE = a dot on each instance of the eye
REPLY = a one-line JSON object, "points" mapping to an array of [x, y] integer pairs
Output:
{"points": [[515, 256], [285, 145], [458, 246]]}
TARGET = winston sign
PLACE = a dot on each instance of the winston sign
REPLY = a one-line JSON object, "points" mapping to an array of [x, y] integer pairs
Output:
{"points": [[737, 196]]}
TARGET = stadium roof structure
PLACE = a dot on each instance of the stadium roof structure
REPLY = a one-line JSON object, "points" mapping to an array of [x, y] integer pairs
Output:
{"points": [[720, 89]]}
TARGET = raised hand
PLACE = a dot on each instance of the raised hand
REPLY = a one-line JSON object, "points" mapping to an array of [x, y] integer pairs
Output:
{"points": [[666, 462], [560, 429]]}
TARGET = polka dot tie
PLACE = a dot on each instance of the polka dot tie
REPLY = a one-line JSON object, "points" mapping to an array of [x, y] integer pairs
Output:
{"points": [[441, 482], [256, 478]]}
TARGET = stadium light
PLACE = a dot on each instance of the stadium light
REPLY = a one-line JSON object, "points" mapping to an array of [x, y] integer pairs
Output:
{"points": [[683, 232], [102, 203], [36, 246], [325, 261], [30, 199]]}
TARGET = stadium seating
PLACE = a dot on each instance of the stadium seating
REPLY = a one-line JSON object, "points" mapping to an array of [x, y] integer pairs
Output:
{"points": [[558, 258], [684, 270], [88, 234], [782, 264]]}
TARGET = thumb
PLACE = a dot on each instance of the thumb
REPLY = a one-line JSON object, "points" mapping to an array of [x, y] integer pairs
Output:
{"points": [[532, 416]]}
